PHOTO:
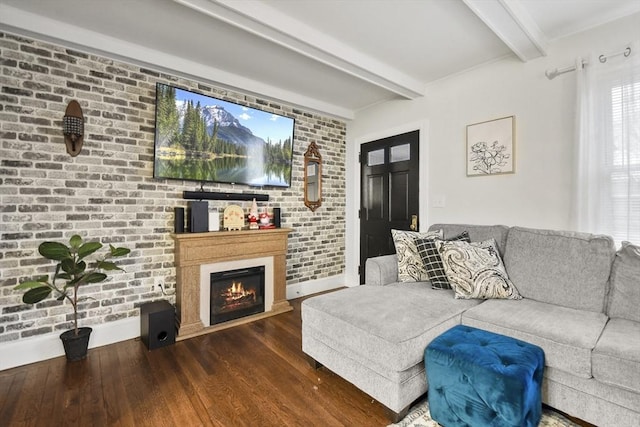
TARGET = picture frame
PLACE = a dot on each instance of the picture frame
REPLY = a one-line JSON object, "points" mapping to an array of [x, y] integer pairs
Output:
{"points": [[491, 147]]}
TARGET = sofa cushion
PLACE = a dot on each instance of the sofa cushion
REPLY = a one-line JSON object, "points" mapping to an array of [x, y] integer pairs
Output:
{"points": [[432, 260], [410, 265], [624, 299], [566, 335], [557, 267], [475, 270], [616, 358], [477, 233], [388, 325]]}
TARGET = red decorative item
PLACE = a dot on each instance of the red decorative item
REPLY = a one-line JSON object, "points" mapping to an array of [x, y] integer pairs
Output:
{"points": [[266, 220]]}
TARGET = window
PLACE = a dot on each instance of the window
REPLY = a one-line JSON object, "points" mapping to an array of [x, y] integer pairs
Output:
{"points": [[607, 180], [400, 153], [622, 210], [375, 158]]}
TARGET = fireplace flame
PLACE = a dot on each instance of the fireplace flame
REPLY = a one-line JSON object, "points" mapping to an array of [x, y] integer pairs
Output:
{"points": [[237, 291]]}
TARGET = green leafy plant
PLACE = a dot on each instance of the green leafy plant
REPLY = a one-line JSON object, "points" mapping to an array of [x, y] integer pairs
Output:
{"points": [[73, 270]]}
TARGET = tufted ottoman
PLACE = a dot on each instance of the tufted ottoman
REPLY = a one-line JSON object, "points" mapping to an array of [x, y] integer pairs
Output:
{"points": [[478, 378]]}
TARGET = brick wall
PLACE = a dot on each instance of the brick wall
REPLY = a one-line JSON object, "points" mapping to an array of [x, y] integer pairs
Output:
{"points": [[108, 192]]}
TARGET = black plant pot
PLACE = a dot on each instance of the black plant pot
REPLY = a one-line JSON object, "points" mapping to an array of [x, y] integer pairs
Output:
{"points": [[76, 346]]}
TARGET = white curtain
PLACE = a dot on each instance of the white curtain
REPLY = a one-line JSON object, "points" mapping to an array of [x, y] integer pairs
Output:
{"points": [[607, 169]]}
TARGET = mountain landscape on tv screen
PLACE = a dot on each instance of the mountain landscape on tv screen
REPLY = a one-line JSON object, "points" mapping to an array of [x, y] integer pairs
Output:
{"points": [[229, 128], [208, 143]]}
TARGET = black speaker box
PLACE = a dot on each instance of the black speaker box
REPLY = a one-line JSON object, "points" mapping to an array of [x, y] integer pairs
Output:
{"points": [[277, 221], [198, 217], [157, 324], [178, 220]]}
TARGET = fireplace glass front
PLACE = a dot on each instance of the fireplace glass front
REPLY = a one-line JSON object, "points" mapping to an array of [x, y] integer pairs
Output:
{"points": [[236, 294]]}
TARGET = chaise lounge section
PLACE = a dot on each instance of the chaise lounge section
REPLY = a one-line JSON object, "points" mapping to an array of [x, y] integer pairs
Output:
{"points": [[580, 305]]}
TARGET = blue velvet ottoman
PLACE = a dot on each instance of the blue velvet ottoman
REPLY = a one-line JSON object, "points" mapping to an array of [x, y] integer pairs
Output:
{"points": [[478, 378]]}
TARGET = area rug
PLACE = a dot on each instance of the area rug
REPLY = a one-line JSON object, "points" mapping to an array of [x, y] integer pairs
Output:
{"points": [[419, 417]]}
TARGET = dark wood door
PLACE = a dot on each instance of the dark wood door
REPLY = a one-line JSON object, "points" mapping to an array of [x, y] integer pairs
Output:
{"points": [[389, 183]]}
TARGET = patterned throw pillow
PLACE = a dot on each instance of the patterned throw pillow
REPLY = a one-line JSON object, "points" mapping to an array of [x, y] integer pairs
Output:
{"points": [[410, 266], [432, 260], [475, 270]]}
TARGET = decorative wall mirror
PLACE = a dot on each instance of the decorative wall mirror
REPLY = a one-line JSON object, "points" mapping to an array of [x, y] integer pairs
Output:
{"points": [[312, 177]]}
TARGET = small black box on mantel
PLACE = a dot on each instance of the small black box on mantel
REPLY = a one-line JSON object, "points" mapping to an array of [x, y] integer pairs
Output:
{"points": [[178, 220], [198, 213], [157, 324], [277, 221]]}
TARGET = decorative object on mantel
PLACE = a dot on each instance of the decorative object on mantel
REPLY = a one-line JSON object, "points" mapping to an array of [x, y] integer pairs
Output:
{"points": [[312, 177], [266, 219], [75, 271], [490, 147], [214, 220], [253, 216], [233, 218], [73, 128]]}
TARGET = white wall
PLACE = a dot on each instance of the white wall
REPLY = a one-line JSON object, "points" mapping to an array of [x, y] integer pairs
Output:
{"points": [[539, 193]]}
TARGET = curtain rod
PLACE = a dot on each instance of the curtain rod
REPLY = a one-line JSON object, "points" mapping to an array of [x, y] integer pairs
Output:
{"points": [[552, 74]]}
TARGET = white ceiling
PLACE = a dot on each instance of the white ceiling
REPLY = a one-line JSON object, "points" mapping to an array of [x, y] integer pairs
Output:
{"points": [[332, 56]]}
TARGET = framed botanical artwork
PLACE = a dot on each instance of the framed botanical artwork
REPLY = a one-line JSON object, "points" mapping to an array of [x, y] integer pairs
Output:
{"points": [[491, 147]]}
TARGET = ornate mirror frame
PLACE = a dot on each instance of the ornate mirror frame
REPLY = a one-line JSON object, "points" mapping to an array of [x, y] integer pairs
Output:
{"points": [[312, 177]]}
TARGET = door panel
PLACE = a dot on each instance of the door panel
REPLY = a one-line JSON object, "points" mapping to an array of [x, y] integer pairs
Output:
{"points": [[374, 207], [389, 188], [399, 194]]}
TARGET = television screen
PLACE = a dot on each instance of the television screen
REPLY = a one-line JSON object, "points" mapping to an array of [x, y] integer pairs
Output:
{"points": [[201, 138]]}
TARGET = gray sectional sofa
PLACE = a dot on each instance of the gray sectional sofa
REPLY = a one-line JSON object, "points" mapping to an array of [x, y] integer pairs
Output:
{"points": [[581, 305]]}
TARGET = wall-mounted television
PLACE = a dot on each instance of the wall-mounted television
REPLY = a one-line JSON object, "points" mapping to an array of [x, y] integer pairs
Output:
{"points": [[205, 139]]}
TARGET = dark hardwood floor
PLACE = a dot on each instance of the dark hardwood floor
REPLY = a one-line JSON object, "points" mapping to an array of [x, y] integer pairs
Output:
{"points": [[250, 375]]}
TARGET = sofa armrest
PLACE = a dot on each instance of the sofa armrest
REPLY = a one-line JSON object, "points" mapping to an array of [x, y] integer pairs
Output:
{"points": [[381, 270]]}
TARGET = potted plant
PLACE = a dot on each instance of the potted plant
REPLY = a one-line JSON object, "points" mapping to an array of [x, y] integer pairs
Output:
{"points": [[74, 271]]}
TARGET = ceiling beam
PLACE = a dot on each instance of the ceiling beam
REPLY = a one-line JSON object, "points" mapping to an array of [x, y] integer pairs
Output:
{"points": [[511, 22], [267, 22]]}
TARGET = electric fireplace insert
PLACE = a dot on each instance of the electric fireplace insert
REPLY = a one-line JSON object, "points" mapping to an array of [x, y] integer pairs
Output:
{"points": [[236, 294]]}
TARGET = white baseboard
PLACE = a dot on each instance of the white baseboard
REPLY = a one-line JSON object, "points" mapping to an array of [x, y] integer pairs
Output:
{"points": [[314, 286], [43, 347]]}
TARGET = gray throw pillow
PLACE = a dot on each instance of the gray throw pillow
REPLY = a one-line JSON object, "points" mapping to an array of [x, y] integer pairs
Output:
{"points": [[432, 260]]}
